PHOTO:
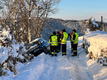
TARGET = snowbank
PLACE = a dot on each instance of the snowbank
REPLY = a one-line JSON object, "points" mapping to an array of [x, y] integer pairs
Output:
{"points": [[10, 49], [99, 72], [96, 42], [4, 54], [11, 53]]}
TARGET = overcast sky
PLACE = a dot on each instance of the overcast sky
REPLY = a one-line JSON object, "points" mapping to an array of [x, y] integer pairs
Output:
{"points": [[82, 9]]}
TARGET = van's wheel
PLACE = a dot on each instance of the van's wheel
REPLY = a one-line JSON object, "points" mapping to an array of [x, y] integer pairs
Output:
{"points": [[45, 50]]}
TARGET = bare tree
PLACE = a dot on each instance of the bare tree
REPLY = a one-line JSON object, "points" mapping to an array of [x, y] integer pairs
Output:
{"points": [[27, 18], [42, 14], [38, 11]]}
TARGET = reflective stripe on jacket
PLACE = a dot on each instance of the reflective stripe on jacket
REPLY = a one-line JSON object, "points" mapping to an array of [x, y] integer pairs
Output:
{"points": [[65, 36], [54, 40]]}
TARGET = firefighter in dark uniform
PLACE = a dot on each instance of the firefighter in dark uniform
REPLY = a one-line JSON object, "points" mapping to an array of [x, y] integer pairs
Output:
{"points": [[54, 44], [64, 42], [71, 39], [75, 42], [61, 35], [59, 42]]}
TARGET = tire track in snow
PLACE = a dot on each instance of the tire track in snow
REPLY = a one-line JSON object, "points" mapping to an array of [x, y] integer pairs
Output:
{"points": [[57, 67], [79, 69], [75, 68]]}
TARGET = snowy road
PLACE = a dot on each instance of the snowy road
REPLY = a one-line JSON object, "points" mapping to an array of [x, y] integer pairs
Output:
{"points": [[45, 67]]}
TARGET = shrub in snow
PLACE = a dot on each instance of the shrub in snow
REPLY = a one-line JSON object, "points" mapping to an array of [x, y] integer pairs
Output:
{"points": [[11, 52], [7, 75], [92, 25], [1, 71]]}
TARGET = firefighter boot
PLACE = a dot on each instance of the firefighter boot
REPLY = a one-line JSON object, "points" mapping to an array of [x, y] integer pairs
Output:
{"points": [[55, 54]]}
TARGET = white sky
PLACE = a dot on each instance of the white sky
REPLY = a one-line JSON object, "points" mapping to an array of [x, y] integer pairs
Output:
{"points": [[97, 16]]}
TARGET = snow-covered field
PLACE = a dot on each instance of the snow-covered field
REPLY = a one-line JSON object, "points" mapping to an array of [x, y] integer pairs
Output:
{"points": [[45, 67]]}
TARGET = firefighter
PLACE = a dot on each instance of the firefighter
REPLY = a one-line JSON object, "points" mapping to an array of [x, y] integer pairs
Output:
{"points": [[64, 42], [75, 42], [61, 35], [71, 39], [58, 35], [54, 44]]}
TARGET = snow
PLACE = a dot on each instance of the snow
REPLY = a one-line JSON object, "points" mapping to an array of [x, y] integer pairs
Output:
{"points": [[8, 76], [8, 51], [5, 51], [4, 54], [23, 50], [6, 34], [13, 0], [15, 32], [9, 48], [15, 49], [93, 21], [45, 67], [98, 71], [21, 29], [97, 41], [20, 56]]}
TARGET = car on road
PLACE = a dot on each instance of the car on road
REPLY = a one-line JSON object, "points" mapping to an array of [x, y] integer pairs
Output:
{"points": [[38, 46]]}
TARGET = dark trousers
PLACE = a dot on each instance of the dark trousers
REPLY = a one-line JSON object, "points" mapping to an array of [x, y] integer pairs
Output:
{"points": [[59, 47], [75, 48], [54, 49], [63, 48], [71, 46], [50, 49]]}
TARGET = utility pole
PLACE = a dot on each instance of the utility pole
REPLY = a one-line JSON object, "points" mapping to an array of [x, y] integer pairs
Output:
{"points": [[102, 26]]}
